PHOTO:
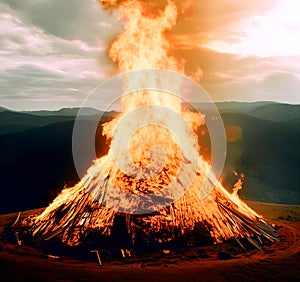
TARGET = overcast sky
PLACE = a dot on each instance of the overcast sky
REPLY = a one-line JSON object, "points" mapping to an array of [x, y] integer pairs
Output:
{"points": [[53, 53]]}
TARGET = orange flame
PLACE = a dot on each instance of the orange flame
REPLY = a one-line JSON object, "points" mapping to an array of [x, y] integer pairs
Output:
{"points": [[143, 45]]}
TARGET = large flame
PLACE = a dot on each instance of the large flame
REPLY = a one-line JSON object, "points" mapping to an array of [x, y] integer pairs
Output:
{"points": [[144, 45]]}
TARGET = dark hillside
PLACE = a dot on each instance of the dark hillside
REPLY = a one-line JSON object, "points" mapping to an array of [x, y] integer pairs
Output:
{"points": [[37, 162]]}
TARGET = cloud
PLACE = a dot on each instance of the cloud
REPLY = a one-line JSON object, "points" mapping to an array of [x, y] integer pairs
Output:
{"points": [[53, 53], [235, 78], [279, 86], [215, 19], [282, 84], [38, 66], [71, 19], [276, 33]]}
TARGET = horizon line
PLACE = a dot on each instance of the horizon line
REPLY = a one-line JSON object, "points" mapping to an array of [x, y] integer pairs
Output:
{"points": [[77, 107]]}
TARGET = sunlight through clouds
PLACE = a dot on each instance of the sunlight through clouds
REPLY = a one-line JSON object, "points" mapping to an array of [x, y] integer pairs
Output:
{"points": [[56, 51], [277, 33]]}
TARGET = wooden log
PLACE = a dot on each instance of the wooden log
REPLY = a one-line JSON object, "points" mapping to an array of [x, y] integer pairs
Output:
{"points": [[98, 256]]}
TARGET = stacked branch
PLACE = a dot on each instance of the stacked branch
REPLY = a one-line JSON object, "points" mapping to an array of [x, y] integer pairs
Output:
{"points": [[75, 212]]}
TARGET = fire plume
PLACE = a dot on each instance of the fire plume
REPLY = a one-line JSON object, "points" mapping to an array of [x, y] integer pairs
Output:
{"points": [[152, 159]]}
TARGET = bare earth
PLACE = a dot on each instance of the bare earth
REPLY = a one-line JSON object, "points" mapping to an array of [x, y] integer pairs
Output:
{"points": [[281, 263]]}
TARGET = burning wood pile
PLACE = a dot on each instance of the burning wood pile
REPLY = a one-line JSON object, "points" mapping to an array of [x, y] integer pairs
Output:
{"points": [[140, 181], [75, 213]]}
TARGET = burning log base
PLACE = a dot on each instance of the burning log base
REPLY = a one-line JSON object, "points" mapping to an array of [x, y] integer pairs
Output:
{"points": [[75, 215], [84, 212]]}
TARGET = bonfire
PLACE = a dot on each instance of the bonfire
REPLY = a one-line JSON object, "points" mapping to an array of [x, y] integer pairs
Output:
{"points": [[93, 204]]}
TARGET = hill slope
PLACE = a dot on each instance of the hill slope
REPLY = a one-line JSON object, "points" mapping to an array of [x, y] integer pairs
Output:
{"points": [[37, 161]]}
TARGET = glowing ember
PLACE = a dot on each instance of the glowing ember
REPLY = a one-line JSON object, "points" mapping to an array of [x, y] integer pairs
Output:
{"points": [[79, 209]]}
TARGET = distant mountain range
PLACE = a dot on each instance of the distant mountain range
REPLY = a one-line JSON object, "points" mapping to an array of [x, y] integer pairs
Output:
{"points": [[13, 121], [65, 112], [262, 110], [36, 152]]}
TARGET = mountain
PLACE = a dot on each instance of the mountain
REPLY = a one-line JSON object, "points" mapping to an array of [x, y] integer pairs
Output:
{"points": [[36, 153], [230, 107], [2, 109], [37, 163], [268, 153], [262, 110], [65, 112], [241, 107], [12, 121], [276, 112]]}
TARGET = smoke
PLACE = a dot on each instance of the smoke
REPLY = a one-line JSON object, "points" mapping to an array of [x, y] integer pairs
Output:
{"points": [[153, 6]]}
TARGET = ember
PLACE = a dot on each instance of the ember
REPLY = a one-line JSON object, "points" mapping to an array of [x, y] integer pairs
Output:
{"points": [[92, 204]]}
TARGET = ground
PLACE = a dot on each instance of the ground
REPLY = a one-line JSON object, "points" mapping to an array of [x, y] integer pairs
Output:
{"points": [[280, 263]]}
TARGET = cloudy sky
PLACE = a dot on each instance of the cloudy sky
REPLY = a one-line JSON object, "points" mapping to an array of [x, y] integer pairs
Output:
{"points": [[53, 53]]}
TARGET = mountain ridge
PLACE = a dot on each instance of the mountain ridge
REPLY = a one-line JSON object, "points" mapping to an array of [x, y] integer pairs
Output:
{"points": [[36, 162]]}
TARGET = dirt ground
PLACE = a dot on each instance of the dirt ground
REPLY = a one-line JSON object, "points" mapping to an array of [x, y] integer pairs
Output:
{"points": [[280, 263]]}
